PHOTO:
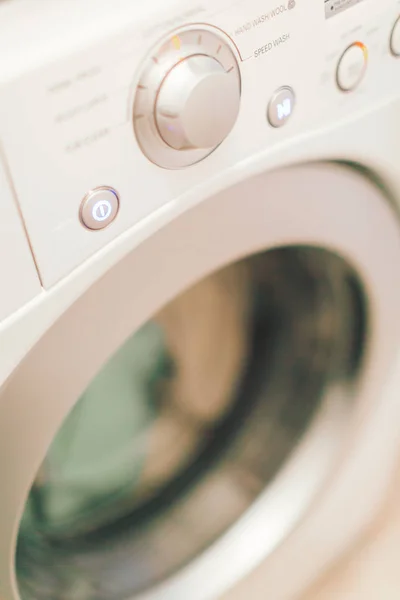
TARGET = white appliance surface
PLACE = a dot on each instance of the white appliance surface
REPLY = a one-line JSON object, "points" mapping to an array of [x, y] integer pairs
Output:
{"points": [[143, 147]]}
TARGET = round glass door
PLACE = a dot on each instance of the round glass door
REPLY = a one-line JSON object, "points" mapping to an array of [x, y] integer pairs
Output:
{"points": [[188, 423]]}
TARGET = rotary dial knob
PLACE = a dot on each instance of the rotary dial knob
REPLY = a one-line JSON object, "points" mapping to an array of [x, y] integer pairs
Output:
{"points": [[197, 105], [188, 98]]}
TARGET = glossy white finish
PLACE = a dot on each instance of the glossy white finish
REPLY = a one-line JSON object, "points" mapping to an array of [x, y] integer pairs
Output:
{"points": [[197, 104], [76, 133], [352, 67], [19, 280], [191, 246], [85, 124]]}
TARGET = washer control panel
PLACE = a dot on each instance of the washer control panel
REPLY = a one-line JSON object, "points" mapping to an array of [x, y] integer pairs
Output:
{"points": [[188, 97], [118, 116]]}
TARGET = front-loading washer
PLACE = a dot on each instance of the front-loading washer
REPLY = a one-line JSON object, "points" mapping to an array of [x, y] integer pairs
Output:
{"points": [[199, 328]]}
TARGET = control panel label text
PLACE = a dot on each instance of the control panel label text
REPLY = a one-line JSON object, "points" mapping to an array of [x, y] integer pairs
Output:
{"points": [[272, 45]]}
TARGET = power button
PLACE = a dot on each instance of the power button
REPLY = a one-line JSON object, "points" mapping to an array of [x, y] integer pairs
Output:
{"points": [[99, 208]]}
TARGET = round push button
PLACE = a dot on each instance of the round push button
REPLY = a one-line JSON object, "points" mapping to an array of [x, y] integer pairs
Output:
{"points": [[281, 106], [352, 66], [395, 39], [99, 208]]}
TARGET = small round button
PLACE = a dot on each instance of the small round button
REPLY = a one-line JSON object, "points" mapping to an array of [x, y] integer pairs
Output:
{"points": [[352, 66], [395, 39], [99, 208], [281, 106]]}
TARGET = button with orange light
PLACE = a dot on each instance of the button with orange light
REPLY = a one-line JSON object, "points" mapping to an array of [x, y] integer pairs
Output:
{"points": [[352, 66]]}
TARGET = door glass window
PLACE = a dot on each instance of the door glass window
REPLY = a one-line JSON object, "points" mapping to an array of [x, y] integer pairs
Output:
{"points": [[187, 424]]}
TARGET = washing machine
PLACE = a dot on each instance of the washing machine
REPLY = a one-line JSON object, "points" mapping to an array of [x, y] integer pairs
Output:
{"points": [[200, 292]]}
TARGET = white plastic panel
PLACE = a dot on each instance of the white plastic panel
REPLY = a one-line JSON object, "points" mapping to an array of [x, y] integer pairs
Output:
{"points": [[68, 125], [19, 280]]}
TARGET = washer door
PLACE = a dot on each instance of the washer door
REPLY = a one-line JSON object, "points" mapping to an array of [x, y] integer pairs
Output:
{"points": [[168, 433]]}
